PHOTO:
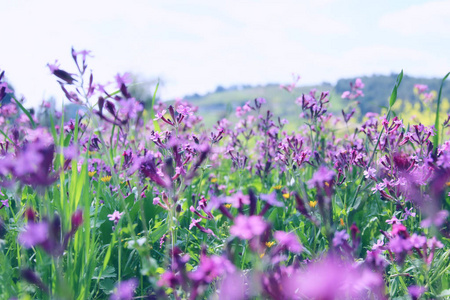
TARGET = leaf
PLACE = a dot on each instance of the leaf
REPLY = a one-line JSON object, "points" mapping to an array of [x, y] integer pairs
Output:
{"points": [[444, 293], [436, 122], [369, 224], [355, 205], [107, 286], [108, 253], [393, 97], [152, 111], [109, 272], [158, 233]]}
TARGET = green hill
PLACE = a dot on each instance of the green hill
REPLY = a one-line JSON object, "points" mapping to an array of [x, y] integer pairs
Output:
{"points": [[223, 102]]}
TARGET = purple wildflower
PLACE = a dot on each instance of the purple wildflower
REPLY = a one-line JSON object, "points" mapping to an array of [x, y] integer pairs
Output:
{"points": [[433, 242], [289, 240], [394, 220], [323, 175], [83, 53], [130, 107], [438, 219], [376, 260], [123, 79], [246, 228], [341, 280], [370, 173], [416, 291], [184, 110], [399, 245], [211, 267], [5, 202], [340, 237], [238, 199], [418, 241], [271, 199], [115, 216], [34, 234]]}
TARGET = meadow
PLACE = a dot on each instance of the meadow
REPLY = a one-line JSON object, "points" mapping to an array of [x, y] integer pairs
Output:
{"points": [[128, 201]]}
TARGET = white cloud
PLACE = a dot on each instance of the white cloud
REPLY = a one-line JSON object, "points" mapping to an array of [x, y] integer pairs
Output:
{"points": [[195, 46], [427, 18], [384, 59]]}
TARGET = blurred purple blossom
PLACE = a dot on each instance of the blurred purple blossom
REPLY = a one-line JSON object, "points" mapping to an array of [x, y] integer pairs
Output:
{"points": [[322, 176], [340, 237], [248, 227], [332, 279], [34, 234], [123, 79], [271, 199], [416, 291], [125, 290], [289, 240]]}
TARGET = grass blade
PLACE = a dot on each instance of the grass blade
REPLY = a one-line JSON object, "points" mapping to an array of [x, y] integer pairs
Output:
{"points": [[152, 112], [393, 97], [7, 137], [25, 111], [436, 122]]}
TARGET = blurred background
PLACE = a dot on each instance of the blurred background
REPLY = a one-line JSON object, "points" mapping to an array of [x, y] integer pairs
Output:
{"points": [[224, 53]]}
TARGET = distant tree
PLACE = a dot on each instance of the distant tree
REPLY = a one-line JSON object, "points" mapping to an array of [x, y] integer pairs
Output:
{"points": [[220, 89]]}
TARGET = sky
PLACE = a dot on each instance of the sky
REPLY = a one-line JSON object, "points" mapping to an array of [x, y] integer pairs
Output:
{"points": [[194, 46]]}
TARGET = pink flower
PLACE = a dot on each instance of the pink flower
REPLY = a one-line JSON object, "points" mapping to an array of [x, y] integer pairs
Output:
{"points": [[246, 228], [184, 110], [346, 95], [5, 202], [356, 90], [83, 53], [115, 216], [369, 173], [359, 84], [160, 115], [421, 88]]}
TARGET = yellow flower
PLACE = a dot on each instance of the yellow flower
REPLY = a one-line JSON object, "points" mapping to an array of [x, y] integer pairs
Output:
{"points": [[277, 187], [447, 183], [261, 255], [106, 179], [227, 205], [92, 173], [312, 203], [270, 244], [213, 180], [286, 195], [327, 184], [91, 152], [342, 222]]}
